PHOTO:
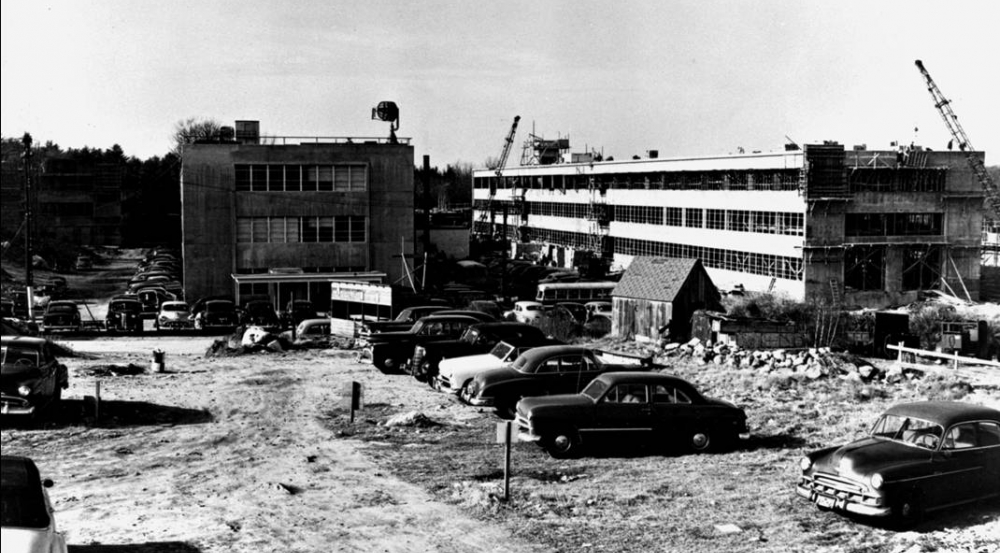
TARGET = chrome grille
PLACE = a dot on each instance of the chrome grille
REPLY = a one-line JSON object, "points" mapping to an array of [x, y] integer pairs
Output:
{"points": [[831, 484]]}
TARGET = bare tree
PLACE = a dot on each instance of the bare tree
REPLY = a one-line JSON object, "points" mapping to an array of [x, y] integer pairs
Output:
{"points": [[193, 129]]}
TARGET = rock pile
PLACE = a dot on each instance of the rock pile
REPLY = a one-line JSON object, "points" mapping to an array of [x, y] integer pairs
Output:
{"points": [[810, 363]]}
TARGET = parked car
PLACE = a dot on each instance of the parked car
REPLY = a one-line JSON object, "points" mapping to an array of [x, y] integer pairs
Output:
{"points": [[456, 374], [635, 407], [478, 338], [173, 315], [28, 524], [390, 351], [31, 377], [216, 314], [310, 330], [61, 315], [918, 457], [404, 319], [526, 311], [124, 315], [598, 309], [260, 313], [152, 298], [544, 371], [577, 310]]}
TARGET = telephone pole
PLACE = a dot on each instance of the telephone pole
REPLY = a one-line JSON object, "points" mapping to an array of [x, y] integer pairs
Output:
{"points": [[26, 158]]}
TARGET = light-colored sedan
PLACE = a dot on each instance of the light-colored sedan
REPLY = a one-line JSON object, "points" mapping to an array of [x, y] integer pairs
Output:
{"points": [[174, 314], [456, 373], [28, 524]]}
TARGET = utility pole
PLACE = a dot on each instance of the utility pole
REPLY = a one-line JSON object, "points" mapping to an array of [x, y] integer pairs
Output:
{"points": [[26, 159]]}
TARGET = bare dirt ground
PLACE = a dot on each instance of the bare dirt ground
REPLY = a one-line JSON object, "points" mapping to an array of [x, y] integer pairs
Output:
{"points": [[229, 455]]}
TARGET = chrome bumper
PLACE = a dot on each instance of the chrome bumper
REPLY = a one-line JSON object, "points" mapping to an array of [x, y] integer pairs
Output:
{"points": [[12, 405], [841, 503]]}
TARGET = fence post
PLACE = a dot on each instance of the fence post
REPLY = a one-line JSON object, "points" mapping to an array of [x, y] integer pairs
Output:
{"points": [[899, 353]]}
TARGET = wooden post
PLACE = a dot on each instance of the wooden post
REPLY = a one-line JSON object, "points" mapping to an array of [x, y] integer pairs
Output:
{"points": [[504, 436], [97, 400], [899, 353]]}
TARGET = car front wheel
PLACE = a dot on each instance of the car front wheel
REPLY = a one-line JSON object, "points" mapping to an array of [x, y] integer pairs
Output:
{"points": [[701, 441], [563, 444], [908, 510]]}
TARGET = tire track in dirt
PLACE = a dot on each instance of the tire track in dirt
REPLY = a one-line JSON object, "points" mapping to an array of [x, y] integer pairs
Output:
{"points": [[262, 475]]}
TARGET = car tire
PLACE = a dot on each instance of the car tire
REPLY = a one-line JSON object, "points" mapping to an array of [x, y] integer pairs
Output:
{"points": [[700, 441], [909, 510], [564, 444]]}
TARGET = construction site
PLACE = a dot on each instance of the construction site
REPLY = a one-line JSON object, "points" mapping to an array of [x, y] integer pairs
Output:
{"points": [[826, 223]]}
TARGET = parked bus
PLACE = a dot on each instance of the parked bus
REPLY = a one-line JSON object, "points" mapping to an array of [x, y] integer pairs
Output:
{"points": [[581, 292]]}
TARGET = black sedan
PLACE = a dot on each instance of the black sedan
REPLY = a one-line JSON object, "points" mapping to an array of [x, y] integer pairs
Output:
{"points": [[636, 407], [27, 520], [918, 457]]}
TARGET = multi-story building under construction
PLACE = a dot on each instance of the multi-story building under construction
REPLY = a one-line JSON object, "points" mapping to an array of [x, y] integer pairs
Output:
{"points": [[862, 227]]}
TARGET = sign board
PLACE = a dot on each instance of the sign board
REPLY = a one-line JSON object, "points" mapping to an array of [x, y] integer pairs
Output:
{"points": [[353, 395], [502, 429], [361, 292]]}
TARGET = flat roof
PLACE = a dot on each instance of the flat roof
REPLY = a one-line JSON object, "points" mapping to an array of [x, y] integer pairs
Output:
{"points": [[361, 276]]}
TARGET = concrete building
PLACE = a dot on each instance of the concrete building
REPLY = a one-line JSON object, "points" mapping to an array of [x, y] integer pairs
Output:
{"points": [[859, 227], [80, 202], [318, 206]]}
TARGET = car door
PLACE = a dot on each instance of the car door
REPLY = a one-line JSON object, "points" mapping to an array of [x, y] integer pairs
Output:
{"points": [[674, 415], [958, 467], [988, 436], [625, 411]]}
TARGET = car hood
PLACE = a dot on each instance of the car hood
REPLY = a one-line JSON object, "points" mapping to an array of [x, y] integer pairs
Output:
{"points": [[469, 362], [869, 455], [31, 541], [530, 404]]}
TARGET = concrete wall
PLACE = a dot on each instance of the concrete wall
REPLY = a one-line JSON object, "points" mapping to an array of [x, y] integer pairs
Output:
{"points": [[210, 206]]}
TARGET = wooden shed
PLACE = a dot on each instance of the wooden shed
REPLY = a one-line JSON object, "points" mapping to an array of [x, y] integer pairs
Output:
{"points": [[657, 294]]}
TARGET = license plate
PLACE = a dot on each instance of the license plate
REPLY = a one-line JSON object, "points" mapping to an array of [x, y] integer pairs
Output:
{"points": [[825, 502]]}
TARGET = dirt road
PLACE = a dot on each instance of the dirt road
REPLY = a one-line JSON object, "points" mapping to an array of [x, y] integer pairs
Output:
{"points": [[230, 455]]}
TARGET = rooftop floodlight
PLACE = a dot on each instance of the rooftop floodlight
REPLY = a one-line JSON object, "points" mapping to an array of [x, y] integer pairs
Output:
{"points": [[388, 111]]}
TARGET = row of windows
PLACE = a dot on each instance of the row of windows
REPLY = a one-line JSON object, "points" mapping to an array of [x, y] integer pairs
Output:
{"points": [[262, 230], [301, 178], [789, 268], [776, 179], [763, 222], [745, 262], [893, 224]]}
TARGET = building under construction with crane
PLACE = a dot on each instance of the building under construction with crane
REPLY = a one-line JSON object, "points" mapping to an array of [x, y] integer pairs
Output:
{"points": [[852, 227]]}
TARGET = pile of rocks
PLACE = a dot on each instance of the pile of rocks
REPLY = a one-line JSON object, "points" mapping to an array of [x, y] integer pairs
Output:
{"points": [[809, 363]]}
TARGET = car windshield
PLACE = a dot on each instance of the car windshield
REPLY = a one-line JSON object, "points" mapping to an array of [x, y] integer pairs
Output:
{"points": [[501, 350], [61, 309], [908, 430], [532, 307], [520, 363], [219, 307], [595, 389], [23, 502], [175, 307]]}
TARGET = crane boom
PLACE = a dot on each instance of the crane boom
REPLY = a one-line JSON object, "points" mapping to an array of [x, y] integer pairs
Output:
{"points": [[508, 142], [943, 106]]}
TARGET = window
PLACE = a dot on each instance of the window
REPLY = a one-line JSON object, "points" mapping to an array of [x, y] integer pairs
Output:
{"points": [[989, 434], [277, 229], [258, 178], [962, 436], [921, 268], [626, 393], [326, 229], [672, 216], [310, 178], [275, 178], [325, 180], [693, 217], [716, 219], [342, 229], [310, 229], [358, 229], [244, 230], [260, 228], [669, 394], [242, 175], [293, 178]]}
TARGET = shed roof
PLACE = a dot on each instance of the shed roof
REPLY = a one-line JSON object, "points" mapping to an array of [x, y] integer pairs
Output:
{"points": [[655, 278]]}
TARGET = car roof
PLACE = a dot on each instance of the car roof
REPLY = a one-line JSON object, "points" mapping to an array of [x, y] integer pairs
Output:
{"points": [[945, 413], [19, 471], [642, 377], [545, 351]]}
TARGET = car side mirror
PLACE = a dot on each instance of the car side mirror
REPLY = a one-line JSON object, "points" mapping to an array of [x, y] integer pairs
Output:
{"points": [[48, 483]]}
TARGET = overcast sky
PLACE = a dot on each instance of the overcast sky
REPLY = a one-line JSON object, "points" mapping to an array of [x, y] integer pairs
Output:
{"points": [[691, 77]]}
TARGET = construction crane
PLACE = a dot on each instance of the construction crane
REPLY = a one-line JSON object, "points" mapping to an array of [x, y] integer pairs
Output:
{"points": [[488, 208], [943, 106]]}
